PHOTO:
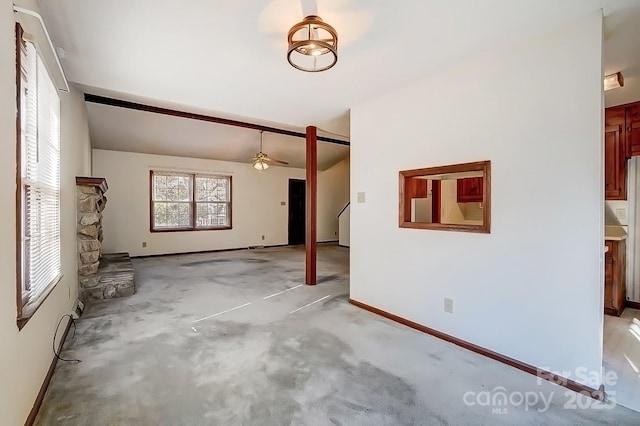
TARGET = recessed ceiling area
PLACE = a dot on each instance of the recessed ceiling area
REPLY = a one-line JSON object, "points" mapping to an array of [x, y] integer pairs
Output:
{"points": [[122, 129]]}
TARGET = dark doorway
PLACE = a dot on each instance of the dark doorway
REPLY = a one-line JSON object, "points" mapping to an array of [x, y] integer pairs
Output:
{"points": [[297, 202]]}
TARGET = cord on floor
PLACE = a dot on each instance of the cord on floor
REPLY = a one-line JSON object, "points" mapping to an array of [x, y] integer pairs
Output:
{"points": [[55, 352]]}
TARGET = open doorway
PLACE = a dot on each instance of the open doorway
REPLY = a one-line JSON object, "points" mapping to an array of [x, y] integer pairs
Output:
{"points": [[621, 334], [297, 211]]}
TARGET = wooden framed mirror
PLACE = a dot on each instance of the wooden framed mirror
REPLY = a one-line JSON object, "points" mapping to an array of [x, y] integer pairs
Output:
{"points": [[456, 197]]}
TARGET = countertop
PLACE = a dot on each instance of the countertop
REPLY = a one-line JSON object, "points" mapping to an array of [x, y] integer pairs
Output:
{"points": [[614, 233]]}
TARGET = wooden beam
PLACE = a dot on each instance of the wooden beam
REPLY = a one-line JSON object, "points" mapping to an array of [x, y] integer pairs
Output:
{"points": [[193, 116], [311, 243]]}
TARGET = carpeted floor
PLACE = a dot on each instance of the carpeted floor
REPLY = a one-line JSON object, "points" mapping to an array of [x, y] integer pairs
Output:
{"points": [[214, 339]]}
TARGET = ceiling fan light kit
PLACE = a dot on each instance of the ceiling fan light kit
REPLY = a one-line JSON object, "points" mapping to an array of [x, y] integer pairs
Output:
{"points": [[260, 164], [261, 160], [313, 45]]}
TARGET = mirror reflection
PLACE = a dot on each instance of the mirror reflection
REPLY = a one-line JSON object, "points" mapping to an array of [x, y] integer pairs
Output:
{"points": [[446, 197]]}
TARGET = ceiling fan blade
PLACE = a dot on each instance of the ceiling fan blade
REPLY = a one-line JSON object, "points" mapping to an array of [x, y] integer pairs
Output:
{"points": [[309, 7], [273, 160]]}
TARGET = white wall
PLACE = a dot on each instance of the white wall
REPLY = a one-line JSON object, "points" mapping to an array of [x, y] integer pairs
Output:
{"points": [[532, 289], [257, 208], [344, 233], [26, 355], [333, 195]]}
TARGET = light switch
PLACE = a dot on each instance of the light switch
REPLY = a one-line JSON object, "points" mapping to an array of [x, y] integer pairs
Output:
{"points": [[448, 305], [361, 197]]}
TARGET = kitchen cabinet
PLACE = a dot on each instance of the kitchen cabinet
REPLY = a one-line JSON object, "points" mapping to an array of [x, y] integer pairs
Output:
{"points": [[615, 154], [417, 188], [615, 277], [632, 128], [470, 190]]}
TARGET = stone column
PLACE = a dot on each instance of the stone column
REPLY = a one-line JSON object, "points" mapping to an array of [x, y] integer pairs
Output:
{"points": [[91, 202]]}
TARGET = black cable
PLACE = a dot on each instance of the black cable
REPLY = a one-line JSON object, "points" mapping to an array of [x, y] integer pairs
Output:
{"points": [[55, 352]]}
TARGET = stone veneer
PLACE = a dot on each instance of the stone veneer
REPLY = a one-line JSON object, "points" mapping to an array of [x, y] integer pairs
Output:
{"points": [[100, 277]]}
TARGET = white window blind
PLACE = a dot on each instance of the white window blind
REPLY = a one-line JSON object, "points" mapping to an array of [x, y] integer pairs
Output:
{"points": [[40, 179]]}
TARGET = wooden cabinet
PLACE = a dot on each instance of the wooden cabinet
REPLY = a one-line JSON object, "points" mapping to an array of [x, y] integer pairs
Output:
{"points": [[615, 154], [632, 128], [615, 277], [417, 188], [470, 190]]}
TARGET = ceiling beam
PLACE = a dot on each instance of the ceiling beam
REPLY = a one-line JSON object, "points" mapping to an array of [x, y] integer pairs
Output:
{"points": [[193, 116]]}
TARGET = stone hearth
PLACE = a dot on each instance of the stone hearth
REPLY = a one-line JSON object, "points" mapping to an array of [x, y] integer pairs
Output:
{"points": [[101, 276]]}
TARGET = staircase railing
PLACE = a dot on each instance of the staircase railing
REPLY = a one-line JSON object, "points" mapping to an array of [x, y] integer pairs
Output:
{"points": [[344, 208]]}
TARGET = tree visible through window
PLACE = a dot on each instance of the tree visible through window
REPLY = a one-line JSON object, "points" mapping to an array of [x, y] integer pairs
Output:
{"points": [[187, 201]]}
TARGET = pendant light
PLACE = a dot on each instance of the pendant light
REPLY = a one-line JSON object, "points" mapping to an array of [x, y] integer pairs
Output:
{"points": [[313, 45]]}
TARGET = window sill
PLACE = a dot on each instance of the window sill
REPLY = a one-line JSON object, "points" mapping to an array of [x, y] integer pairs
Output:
{"points": [[29, 310], [217, 228], [481, 229]]}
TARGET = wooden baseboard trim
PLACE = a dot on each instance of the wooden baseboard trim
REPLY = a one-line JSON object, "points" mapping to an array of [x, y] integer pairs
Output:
{"points": [[143, 256], [546, 375], [45, 385], [632, 305]]}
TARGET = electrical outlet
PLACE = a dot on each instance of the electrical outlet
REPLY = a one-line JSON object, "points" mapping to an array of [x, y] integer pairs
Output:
{"points": [[144, 244], [263, 238], [448, 305], [335, 233], [621, 214], [283, 203]]}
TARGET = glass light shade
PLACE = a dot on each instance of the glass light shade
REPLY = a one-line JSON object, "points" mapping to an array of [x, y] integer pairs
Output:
{"points": [[260, 164], [313, 45]]}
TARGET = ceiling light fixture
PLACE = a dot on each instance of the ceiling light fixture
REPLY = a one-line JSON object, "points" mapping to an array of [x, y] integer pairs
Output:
{"points": [[260, 164], [613, 81], [260, 159], [313, 45]]}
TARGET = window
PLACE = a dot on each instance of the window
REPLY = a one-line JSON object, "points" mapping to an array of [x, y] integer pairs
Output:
{"points": [[38, 179], [189, 202]]}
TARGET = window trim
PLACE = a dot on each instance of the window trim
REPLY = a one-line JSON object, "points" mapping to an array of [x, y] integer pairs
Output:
{"points": [[404, 197], [25, 310], [192, 203]]}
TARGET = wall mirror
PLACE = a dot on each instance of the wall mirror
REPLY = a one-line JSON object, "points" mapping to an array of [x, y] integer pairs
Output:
{"points": [[450, 198]]}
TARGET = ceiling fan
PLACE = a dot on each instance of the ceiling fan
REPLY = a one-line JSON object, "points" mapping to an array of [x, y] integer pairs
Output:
{"points": [[261, 160]]}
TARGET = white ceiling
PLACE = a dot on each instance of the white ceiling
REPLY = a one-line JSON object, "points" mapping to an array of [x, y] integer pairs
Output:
{"points": [[622, 52], [228, 57], [130, 130]]}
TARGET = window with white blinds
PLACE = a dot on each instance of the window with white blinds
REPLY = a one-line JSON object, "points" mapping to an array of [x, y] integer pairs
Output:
{"points": [[39, 180]]}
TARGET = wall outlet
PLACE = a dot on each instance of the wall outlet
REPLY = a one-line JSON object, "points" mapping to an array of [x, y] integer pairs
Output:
{"points": [[361, 197], [448, 305], [144, 244], [621, 214], [263, 238], [283, 203], [335, 233]]}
